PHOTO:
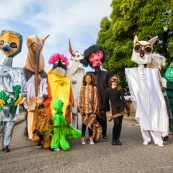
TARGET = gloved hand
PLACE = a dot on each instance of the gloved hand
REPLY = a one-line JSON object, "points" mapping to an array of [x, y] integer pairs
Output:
{"points": [[128, 113]]}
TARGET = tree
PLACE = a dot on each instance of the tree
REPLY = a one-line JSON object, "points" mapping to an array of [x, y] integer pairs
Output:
{"points": [[144, 18]]}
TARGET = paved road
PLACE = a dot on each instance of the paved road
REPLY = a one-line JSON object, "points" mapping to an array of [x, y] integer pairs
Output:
{"points": [[131, 157]]}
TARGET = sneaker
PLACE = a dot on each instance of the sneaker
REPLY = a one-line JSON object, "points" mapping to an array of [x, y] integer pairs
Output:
{"points": [[145, 143], [83, 141], [6, 149], [90, 141], [160, 145], [54, 149]]}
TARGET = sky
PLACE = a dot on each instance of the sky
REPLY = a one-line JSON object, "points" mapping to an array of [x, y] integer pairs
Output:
{"points": [[78, 20]]}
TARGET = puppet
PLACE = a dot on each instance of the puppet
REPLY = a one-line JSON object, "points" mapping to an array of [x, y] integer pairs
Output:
{"points": [[94, 56], [75, 73], [146, 94], [63, 131], [12, 85], [36, 79], [169, 90], [59, 86]]}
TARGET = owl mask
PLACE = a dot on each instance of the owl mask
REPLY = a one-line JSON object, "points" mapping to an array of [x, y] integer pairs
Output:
{"points": [[142, 50]]}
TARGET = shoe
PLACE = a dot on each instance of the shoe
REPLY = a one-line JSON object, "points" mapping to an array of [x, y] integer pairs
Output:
{"points": [[83, 141], [105, 137], [166, 138], [145, 143], [113, 142], [118, 142], [39, 146], [6, 149], [160, 145], [90, 141], [54, 149]]}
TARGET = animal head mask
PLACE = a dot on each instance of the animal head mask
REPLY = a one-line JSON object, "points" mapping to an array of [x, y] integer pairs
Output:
{"points": [[142, 50]]}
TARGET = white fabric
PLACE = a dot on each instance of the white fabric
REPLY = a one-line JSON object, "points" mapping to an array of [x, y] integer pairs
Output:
{"points": [[148, 99], [31, 87], [155, 135], [76, 77]]}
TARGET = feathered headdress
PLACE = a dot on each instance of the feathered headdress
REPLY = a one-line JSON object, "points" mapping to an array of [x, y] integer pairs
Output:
{"points": [[58, 57]]}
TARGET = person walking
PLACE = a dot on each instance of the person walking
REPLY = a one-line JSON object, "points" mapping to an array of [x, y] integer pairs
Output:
{"points": [[88, 105], [118, 103]]}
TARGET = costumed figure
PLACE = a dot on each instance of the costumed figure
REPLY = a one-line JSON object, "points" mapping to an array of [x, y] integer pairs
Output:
{"points": [[63, 131], [75, 73], [12, 85], [169, 90], [36, 78], [59, 86], [94, 56], [118, 103], [146, 94], [157, 61]]}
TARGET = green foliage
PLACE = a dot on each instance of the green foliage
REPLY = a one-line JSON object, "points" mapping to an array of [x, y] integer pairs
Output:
{"points": [[144, 18]]}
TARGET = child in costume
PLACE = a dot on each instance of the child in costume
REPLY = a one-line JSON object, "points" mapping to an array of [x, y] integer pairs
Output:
{"points": [[12, 86], [75, 73], [94, 56], [88, 105], [63, 131], [118, 103], [36, 78], [146, 94]]}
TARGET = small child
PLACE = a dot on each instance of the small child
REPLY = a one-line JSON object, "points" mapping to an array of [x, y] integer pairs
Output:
{"points": [[118, 103], [88, 105]]}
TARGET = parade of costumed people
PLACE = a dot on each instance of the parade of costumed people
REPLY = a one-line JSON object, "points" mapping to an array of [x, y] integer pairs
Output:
{"points": [[63, 131], [169, 90], [146, 94], [75, 73], [12, 85], [94, 56], [118, 104], [59, 86], [36, 78], [158, 61]]}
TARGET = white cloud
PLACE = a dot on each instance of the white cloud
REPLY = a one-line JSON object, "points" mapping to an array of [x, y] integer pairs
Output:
{"points": [[78, 20]]}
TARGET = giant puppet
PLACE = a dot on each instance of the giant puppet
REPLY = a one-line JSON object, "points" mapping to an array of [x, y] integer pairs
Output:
{"points": [[75, 73], [12, 85], [169, 90], [36, 79], [94, 56], [59, 86], [146, 94]]}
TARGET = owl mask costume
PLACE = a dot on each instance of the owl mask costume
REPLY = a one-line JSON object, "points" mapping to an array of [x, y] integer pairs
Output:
{"points": [[146, 94], [12, 85]]}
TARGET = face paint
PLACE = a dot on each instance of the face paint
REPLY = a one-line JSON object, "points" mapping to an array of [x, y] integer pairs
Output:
{"points": [[96, 58]]}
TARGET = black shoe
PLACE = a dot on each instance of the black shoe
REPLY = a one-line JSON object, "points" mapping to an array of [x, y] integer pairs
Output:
{"points": [[6, 149], [118, 142], [105, 137], [114, 142], [166, 138]]}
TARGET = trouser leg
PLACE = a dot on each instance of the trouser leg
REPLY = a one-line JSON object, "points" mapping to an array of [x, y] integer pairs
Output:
{"points": [[83, 129], [74, 120], [7, 133], [157, 137], [90, 132], [146, 135], [30, 121], [103, 122]]}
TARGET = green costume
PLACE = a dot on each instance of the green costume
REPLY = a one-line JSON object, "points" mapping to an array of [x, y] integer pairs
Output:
{"points": [[63, 132], [169, 90]]}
